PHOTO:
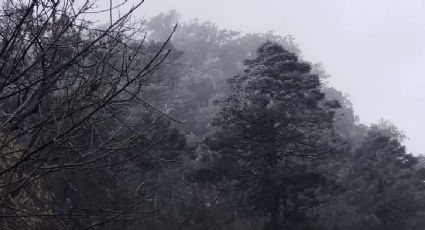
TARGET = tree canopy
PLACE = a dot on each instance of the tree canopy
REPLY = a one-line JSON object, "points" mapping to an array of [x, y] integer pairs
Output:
{"points": [[152, 126]]}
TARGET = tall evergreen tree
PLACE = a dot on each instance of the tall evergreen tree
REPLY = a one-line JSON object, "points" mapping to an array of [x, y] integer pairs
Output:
{"points": [[268, 133]]}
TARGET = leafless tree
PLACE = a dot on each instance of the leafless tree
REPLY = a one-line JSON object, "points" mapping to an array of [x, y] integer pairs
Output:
{"points": [[69, 94]]}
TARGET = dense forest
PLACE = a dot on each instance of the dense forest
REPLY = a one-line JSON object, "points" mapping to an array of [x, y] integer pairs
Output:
{"points": [[160, 126]]}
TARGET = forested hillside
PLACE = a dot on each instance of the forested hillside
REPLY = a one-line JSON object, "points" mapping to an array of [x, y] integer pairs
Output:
{"points": [[160, 126]]}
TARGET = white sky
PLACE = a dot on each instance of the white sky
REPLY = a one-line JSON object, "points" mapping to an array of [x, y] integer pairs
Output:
{"points": [[371, 48]]}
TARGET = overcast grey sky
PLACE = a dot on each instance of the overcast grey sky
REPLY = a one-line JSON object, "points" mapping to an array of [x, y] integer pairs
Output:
{"points": [[371, 48]]}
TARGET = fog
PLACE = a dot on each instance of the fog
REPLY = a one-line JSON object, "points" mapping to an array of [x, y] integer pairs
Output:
{"points": [[250, 114], [371, 49]]}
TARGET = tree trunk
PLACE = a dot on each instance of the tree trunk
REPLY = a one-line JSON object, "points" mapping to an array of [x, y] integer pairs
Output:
{"points": [[274, 223]]}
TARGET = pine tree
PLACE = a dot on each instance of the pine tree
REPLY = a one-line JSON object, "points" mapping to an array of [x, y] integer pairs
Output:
{"points": [[269, 134]]}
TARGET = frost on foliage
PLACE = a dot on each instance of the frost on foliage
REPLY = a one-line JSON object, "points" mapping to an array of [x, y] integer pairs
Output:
{"points": [[278, 113], [271, 104]]}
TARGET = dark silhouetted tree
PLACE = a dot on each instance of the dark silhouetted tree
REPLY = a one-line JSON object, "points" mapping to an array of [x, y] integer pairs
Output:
{"points": [[269, 134]]}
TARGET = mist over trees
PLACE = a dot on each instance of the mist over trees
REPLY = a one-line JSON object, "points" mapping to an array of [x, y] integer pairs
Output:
{"points": [[156, 126]]}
